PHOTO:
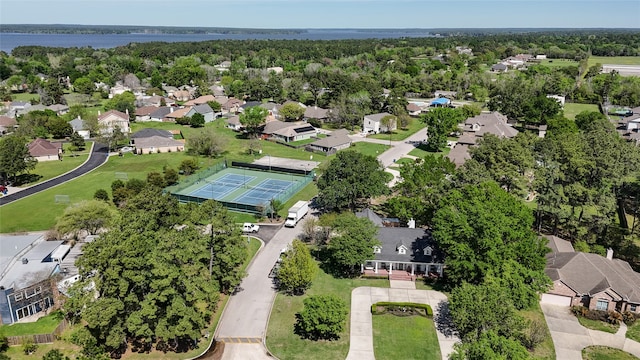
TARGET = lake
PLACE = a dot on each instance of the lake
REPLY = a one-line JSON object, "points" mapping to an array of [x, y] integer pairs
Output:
{"points": [[8, 41]]}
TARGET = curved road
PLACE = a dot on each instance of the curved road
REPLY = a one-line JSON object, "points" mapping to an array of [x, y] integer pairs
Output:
{"points": [[99, 155]]}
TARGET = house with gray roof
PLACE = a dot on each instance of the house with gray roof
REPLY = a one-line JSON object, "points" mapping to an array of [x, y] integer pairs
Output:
{"points": [[203, 109], [26, 265], [403, 252], [314, 112], [288, 132], [590, 280], [150, 141], [372, 124], [78, 125], [335, 141]]}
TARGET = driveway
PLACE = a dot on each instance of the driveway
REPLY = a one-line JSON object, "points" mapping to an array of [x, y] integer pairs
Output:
{"points": [[361, 333], [98, 157], [398, 148], [245, 319], [569, 337]]}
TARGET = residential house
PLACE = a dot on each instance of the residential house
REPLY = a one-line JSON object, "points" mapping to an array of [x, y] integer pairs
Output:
{"points": [[200, 100], [79, 126], [177, 114], [59, 109], [233, 123], [413, 109], [590, 280], [7, 125], [559, 98], [314, 112], [451, 95], [144, 113], [170, 90], [275, 69], [203, 109], [223, 66], [459, 154], [232, 106], [372, 124], [441, 102], [16, 106], [182, 95], [150, 141], [44, 150], [273, 110], [335, 141], [217, 90], [288, 132], [161, 113], [403, 252], [112, 119], [500, 67], [492, 123], [26, 267], [118, 89]]}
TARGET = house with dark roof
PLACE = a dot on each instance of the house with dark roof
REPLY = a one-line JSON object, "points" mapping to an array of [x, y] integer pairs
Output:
{"points": [[203, 109], [403, 252], [335, 141], [499, 67], [144, 113], [590, 280], [160, 113], [493, 123], [44, 150]]}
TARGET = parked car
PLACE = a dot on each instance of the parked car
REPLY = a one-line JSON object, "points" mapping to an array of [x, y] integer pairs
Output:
{"points": [[250, 228]]}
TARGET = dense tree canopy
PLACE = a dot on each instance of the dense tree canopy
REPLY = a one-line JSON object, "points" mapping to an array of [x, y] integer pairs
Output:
{"points": [[297, 269], [14, 156], [485, 232], [350, 179]]}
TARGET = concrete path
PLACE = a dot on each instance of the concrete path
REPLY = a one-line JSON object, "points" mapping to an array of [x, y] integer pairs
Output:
{"points": [[569, 337], [98, 157], [398, 149], [361, 334], [396, 176]]}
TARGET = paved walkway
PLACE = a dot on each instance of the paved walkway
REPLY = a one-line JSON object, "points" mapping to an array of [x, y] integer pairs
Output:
{"points": [[569, 337], [98, 157], [361, 334], [399, 149]]}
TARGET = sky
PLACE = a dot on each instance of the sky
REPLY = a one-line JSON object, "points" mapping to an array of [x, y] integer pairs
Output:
{"points": [[278, 14]]}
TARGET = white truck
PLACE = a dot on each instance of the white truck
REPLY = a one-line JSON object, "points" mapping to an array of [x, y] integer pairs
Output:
{"points": [[296, 212]]}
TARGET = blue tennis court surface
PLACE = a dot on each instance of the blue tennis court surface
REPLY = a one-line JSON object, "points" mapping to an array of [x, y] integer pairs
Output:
{"points": [[264, 192], [219, 188]]}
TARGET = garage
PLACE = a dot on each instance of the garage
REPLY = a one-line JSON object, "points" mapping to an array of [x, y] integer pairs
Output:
{"points": [[556, 300]]}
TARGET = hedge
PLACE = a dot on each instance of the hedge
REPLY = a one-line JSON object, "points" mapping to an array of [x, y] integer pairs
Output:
{"points": [[386, 304]]}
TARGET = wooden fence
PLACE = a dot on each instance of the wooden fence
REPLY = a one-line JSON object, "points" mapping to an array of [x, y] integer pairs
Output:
{"points": [[39, 338]]}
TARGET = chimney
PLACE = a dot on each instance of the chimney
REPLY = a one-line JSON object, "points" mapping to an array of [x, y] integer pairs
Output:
{"points": [[610, 253]]}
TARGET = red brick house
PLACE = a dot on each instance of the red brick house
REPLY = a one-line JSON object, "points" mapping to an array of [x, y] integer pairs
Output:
{"points": [[590, 280]]}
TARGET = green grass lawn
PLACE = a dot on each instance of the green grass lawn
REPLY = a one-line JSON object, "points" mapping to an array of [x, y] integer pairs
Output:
{"points": [[285, 345], [572, 109], [25, 97], [39, 211], [544, 350], [614, 60], [68, 349], [46, 170], [44, 325], [555, 63], [421, 152], [633, 331], [414, 126], [605, 353], [398, 337], [370, 149], [598, 325]]}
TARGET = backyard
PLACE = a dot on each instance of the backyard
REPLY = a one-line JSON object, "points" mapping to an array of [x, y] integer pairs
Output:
{"points": [[370, 149], [284, 344], [573, 109]]}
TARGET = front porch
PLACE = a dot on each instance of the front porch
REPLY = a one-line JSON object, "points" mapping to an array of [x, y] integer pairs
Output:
{"points": [[401, 270]]}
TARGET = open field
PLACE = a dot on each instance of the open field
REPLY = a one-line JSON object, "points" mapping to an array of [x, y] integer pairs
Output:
{"points": [[605, 353], [285, 345], [25, 97], [614, 60], [556, 63], [573, 109], [405, 337]]}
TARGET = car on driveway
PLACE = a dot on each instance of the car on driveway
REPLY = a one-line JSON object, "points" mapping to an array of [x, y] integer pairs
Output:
{"points": [[250, 228]]}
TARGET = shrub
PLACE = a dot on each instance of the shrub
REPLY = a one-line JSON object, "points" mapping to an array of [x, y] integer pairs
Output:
{"points": [[614, 317], [29, 347], [101, 194], [322, 318], [534, 334], [629, 318], [385, 306]]}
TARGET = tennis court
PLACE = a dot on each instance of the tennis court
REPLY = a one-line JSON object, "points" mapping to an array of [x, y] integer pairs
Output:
{"points": [[241, 189]]}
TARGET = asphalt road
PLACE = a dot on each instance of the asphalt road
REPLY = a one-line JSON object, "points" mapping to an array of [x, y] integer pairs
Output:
{"points": [[98, 157]]}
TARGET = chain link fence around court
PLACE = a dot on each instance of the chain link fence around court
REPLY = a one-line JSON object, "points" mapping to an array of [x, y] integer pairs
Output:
{"points": [[302, 180]]}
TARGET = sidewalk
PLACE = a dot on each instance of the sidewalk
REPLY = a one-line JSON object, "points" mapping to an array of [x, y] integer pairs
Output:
{"points": [[361, 333]]}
